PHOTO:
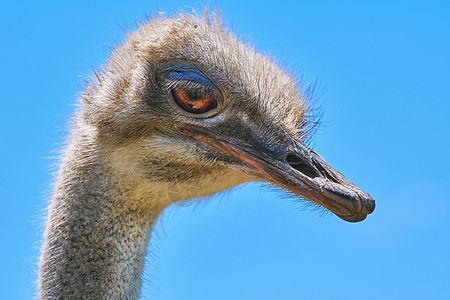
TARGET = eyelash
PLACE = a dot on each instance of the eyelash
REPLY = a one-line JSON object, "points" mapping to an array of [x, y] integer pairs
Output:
{"points": [[187, 84], [191, 92]]}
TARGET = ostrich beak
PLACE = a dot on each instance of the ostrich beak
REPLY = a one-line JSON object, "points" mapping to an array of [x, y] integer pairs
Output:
{"points": [[297, 169]]}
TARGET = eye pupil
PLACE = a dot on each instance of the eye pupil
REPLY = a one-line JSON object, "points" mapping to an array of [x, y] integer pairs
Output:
{"points": [[195, 102], [194, 96]]}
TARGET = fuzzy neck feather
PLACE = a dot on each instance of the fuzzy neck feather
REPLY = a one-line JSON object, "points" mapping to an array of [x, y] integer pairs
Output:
{"points": [[97, 236]]}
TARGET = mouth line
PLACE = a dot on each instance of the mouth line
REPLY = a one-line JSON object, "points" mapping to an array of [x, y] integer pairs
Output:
{"points": [[262, 168], [339, 198]]}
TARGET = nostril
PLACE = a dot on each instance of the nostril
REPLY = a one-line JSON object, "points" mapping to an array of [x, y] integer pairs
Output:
{"points": [[297, 163], [324, 172]]}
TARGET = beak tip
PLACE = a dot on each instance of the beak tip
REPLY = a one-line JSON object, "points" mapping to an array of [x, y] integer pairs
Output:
{"points": [[368, 208], [370, 205], [354, 218]]}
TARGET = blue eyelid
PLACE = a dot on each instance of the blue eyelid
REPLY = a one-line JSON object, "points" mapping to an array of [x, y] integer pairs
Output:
{"points": [[188, 74]]}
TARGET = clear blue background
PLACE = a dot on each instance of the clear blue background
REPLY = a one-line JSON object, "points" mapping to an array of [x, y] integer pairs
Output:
{"points": [[385, 71]]}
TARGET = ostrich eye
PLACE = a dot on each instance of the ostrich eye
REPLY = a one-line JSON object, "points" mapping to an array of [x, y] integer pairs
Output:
{"points": [[194, 101], [191, 89]]}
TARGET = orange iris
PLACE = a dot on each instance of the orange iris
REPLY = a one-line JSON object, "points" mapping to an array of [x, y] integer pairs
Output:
{"points": [[193, 101]]}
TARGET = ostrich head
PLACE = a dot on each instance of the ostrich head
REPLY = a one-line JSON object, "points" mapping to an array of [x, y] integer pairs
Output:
{"points": [[182, 110], [184, 106]]}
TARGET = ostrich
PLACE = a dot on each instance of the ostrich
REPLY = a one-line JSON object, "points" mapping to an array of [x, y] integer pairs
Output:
{"points": [[182, 110]]}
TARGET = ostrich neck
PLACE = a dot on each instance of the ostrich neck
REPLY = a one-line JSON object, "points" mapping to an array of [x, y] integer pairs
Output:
{"points": [[96, 238]]}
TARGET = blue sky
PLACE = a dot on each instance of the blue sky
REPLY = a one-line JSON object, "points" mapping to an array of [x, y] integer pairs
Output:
{"points": [[384, 69]]}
